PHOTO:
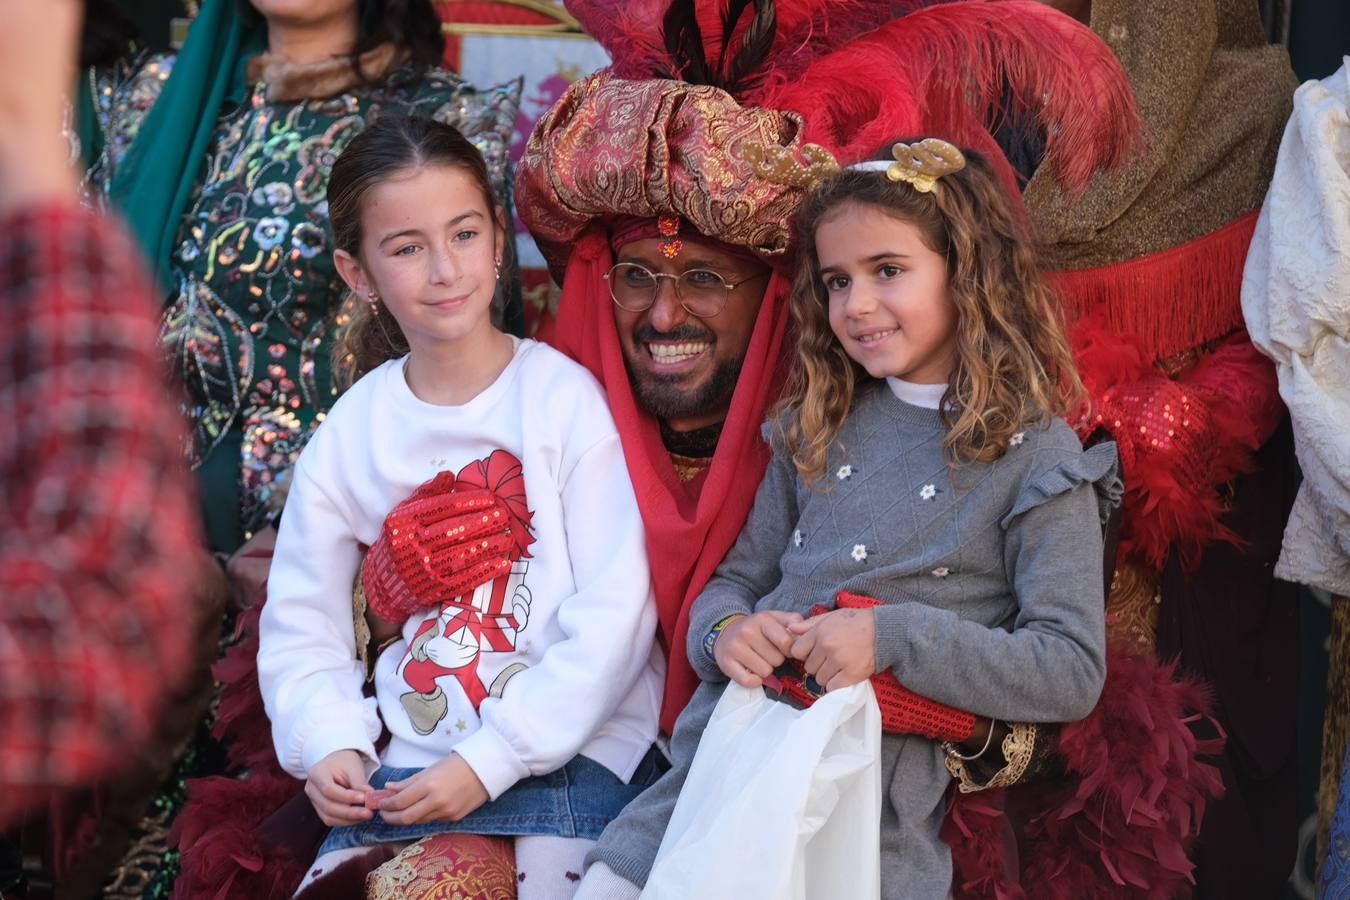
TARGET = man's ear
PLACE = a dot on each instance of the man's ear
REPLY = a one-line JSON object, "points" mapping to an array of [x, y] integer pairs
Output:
{"points": [[351, 272]]}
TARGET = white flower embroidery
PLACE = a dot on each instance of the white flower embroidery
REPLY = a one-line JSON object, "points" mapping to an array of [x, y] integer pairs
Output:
{"points": [[1017, 439], [859, 552], [928, 492], [797, 537], [844, 472], [942, 572]]}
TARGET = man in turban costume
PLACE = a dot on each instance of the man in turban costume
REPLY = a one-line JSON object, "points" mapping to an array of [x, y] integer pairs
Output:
{"points": [[645, 161]]}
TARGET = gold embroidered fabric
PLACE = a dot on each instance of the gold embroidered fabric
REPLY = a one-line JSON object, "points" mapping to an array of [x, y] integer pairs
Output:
{"points": [[1336, 727], [1132, 605], [448, 867], [1019, 748], [388, 881], [143, 860], [613, 147], [687, 468], [359, 623]]}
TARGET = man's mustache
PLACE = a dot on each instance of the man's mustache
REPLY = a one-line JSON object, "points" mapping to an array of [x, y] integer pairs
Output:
{"points": [[645, 333]]}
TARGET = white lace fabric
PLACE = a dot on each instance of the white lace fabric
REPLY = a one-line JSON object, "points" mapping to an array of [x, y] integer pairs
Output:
{"points": [[1296, 301]]}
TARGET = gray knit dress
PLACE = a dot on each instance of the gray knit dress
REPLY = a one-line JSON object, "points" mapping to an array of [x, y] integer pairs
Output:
{"points": [[991, 576]]}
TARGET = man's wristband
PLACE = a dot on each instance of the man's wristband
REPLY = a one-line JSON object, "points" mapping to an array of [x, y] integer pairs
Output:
{"points": [[715, 632]]}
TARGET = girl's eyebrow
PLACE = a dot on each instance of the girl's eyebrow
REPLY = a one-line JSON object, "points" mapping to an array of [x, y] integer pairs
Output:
{"points": [[417, 231], [876, 257]]}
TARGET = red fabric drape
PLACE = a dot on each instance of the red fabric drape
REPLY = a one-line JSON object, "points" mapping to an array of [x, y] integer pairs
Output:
{"points": [[689, 527]]}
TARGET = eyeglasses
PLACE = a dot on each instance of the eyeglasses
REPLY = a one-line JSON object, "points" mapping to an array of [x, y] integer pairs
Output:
{"points": [[702, 292]]}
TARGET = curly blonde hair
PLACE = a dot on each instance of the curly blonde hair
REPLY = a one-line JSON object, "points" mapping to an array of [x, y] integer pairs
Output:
{"points": [[1013, 364]]}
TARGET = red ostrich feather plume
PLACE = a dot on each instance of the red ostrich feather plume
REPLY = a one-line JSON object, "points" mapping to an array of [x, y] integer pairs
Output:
{"points": [[863, 73]]}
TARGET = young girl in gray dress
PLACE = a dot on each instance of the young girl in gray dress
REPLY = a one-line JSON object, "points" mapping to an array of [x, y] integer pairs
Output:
{"points": [[923, 476]]}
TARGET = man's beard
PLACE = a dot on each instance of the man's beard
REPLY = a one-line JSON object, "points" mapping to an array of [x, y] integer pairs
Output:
{"points": [[665, 397]]}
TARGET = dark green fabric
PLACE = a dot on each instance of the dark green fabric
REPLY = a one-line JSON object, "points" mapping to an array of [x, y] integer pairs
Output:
{"points": [[86, 124], [153, 183]]}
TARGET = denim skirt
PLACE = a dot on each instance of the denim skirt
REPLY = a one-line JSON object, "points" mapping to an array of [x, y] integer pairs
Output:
{"points": [[578, 800]]}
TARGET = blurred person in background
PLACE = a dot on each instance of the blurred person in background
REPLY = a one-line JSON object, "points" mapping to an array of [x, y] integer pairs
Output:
{"points": [[99, 540]]}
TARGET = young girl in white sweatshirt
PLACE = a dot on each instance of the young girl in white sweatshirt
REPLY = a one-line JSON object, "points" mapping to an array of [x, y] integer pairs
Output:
{"points": [[522, 685]]}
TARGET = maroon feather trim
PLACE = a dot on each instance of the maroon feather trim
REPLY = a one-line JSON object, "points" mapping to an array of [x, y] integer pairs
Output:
{"points": [[223, 853], [1124, 829], [241, 722], [1122, 823]]}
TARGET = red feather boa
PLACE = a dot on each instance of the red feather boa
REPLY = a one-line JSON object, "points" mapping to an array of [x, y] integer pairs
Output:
{"points": [[223, 853], [1180, 439], [1122, 822]]}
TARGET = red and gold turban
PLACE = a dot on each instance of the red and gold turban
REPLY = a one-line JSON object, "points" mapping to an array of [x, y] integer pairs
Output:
{"points": [[611, 147]]}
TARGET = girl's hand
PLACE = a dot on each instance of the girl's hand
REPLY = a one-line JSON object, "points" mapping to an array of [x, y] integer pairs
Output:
{"points": [[838, 649], [445, 791], [337, 787], [751, 647]]}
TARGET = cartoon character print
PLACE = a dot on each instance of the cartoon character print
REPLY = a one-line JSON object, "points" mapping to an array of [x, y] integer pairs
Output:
{"points": [[488, 619]]}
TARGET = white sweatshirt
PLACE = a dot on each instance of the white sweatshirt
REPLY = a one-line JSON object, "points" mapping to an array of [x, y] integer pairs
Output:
{"points": [[563, 647]]}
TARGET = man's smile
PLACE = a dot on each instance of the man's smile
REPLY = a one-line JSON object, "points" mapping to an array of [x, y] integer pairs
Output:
{"points": [[671, 353]]}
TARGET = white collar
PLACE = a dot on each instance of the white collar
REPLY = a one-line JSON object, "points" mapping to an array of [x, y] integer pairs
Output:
{"points": [[929, 396]]}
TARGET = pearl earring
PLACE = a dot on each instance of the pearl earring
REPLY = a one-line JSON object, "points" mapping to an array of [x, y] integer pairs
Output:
{"points": [[373, 298]]}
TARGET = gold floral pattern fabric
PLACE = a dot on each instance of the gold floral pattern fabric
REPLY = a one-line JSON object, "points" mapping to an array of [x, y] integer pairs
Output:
{"points": [[612, 147], [1021, 746], [448, 867], [1132, 605]]}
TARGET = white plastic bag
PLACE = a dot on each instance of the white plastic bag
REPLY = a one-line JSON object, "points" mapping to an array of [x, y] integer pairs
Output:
{"points": [[780, 803]]}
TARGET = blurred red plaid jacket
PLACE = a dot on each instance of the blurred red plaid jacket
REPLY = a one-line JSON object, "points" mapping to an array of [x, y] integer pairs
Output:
{"points": [[98, 531]]}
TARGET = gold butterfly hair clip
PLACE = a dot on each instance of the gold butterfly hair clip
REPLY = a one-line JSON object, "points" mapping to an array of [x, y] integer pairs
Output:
{"points": [[920, 164]]}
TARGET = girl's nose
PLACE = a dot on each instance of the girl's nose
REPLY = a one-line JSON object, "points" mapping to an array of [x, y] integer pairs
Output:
{"points": [[445, 265], [860, 301]]}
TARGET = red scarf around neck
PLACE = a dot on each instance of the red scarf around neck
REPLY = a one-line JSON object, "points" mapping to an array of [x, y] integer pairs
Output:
{"points": [[687, 533]]}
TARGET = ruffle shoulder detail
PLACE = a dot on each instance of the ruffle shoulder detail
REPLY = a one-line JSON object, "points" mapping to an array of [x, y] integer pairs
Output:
{"points": [[1098, 465]]}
